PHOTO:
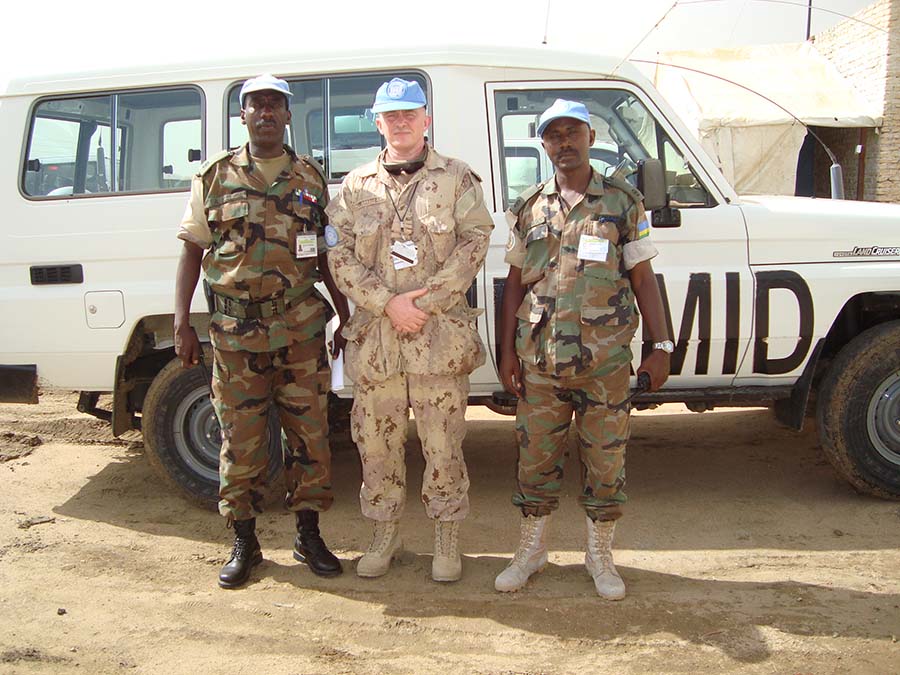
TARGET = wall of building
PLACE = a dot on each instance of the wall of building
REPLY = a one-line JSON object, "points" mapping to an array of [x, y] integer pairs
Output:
{"points": [[867, 52]]}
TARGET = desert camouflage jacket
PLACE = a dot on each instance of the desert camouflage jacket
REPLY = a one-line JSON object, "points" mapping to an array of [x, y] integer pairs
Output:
{"points": [[441, 213]]}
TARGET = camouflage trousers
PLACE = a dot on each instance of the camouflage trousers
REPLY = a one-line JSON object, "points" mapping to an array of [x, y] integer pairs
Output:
{"points": [[378, 424], [543, 418], [245, 385]]}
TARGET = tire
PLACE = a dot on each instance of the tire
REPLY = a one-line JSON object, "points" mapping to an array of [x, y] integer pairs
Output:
{"points": [[858, 411], [182, 436]]}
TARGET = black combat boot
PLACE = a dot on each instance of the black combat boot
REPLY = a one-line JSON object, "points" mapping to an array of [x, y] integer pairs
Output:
{"points": [[310, 549], [245, 555]]}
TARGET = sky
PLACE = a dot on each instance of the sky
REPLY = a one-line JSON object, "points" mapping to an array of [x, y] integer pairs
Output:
{"points": [[68, 37]]}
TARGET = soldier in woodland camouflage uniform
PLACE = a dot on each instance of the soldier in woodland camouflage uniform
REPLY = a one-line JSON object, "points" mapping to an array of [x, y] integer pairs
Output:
{"points": [[408, 233], [579, 254], [259, 213]]}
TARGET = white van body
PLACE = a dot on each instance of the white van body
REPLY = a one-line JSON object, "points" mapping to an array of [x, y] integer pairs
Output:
{"points": [[771, 299]]}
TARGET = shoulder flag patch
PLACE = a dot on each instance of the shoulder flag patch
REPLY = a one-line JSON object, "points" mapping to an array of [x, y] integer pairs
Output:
{"points": [[643, 228]]}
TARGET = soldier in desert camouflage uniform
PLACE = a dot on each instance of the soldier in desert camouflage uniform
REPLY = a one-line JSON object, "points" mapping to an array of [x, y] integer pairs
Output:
{"points": [[407, 234], [579, 254], [259, 213]]}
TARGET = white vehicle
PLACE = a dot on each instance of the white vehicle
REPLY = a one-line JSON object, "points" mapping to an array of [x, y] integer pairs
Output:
{"points": [[771, 301]]}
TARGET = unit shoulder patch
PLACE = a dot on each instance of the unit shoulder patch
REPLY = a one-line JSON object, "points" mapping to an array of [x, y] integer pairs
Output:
{"points": [[332, 237]]}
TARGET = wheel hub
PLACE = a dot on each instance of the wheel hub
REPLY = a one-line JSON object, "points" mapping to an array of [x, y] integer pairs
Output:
{"points": [[198, 437], [883, 419]]}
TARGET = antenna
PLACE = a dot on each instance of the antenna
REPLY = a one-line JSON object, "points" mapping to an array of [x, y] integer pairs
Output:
{"points": [[546, 23], [641, 41], [837, 173], [807, 5]]}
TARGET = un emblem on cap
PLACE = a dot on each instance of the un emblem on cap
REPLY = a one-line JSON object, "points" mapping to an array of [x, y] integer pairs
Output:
{"points": [[396, 88], [399, 94]]}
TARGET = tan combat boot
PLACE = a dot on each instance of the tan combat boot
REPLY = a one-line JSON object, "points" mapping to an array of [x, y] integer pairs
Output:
{"points": [[530, 557], [385, 545], [599, 560], [446, 564]]}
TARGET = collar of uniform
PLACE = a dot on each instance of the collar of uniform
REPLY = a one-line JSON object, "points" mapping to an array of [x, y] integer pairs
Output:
{"points": [[242, 156], [433, 160], [595, 185]]}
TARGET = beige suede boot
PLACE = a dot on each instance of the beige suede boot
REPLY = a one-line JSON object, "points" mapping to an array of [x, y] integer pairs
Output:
{"points": [[599, 560], [385, 545], [530, 556], [446, 564]]}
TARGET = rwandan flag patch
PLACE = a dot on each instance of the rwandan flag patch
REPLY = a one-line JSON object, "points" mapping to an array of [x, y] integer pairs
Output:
{"points": [[643, 229]]}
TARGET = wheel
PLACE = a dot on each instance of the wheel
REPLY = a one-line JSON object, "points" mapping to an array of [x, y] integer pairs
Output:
{"points": [[858, 411], [182, 435]]}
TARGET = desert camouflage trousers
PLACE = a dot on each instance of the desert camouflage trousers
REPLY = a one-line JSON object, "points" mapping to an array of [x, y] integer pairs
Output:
{"points": [[543, 418], [378, 424], [245, 386]]}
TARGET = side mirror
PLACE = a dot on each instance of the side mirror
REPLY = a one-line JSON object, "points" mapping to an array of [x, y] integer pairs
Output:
{"points": [[651, 181]]}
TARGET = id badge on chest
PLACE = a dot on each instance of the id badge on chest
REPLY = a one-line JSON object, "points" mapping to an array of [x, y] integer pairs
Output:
{"points": [[306, 246], [591, 247], [404, 254]]}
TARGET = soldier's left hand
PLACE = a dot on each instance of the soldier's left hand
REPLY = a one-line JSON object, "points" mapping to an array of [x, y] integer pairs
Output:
{"points": [[338, 342], [656, 365]]}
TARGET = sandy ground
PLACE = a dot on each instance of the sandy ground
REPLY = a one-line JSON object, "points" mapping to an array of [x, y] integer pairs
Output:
{"points": [[741, 549]]}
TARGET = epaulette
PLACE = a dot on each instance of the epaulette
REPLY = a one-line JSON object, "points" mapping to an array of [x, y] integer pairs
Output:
{"points": [[624, 186], [318, 167], [207, 165], [524, 197]]}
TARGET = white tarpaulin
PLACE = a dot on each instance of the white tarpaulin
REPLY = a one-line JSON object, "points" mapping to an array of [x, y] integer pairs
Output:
{"points": [[755, 142]]}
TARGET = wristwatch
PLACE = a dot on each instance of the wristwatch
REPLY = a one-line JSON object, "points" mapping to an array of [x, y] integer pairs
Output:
{"points": [[666, 345]]}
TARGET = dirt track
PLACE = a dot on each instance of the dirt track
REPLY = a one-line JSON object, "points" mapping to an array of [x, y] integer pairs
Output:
{"points": [[741, 549]]}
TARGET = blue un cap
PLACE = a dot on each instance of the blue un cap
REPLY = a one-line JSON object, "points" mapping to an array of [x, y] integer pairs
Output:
{"points": [[563, 108], [265, 82], [398, 94]]}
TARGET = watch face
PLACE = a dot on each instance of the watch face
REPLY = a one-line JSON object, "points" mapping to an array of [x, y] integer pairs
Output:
{"points": [[666, 345]]}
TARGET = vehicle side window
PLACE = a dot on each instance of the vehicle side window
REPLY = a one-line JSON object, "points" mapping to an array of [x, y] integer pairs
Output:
{"points": [[179, 137], [626, 132], [348, 139], [156, 146], [523, 168]]}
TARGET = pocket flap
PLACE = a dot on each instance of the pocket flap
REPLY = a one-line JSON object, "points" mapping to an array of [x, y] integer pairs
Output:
{"points": [[229, 211], [537, 232]]}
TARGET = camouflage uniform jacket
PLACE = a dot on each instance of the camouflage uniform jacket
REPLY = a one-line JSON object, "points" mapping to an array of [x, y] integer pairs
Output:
{"points": [[443, 214], [578, 313], [253, 230]]}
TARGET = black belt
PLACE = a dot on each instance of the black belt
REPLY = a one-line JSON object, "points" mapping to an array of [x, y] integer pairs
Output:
{"points": [[237, 309]]}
